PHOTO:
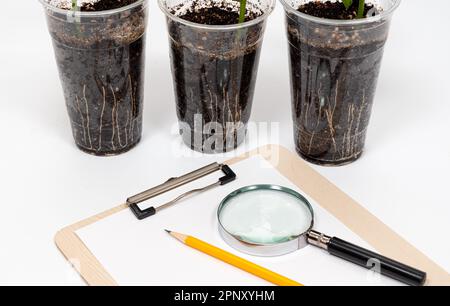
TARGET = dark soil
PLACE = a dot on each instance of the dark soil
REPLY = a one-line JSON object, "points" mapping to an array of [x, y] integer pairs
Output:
{"points": [[218, 15], [101, 63], [104, 5], [214, 74], [336, 10], [104, 94]]}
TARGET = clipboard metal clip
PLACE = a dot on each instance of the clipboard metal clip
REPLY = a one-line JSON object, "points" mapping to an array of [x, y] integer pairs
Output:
{"points": [[175, 182]]}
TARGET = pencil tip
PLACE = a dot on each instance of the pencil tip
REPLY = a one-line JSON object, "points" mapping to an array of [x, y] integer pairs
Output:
{"points": [[169, 232]]}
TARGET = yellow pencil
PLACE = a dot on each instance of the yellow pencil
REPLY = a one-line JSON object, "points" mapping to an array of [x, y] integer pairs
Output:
{"points": [[234, 260]]}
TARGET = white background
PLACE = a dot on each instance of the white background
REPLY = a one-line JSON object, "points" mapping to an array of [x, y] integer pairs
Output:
{"points": [[46, 183]]}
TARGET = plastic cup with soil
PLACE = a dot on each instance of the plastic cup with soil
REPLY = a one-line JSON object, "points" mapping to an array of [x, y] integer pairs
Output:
{"points": [[335, 59], [214, 59], [100, 52]]}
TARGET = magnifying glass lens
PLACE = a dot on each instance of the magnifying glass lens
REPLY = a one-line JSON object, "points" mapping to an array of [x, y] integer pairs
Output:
{"points": [[265, 216]]}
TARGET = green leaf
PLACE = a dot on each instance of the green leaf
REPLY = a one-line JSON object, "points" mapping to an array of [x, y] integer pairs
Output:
{"points": [[347, 3]]}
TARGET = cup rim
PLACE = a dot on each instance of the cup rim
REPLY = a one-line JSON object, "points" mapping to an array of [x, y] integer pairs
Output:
{"points": [[250, 23], [336, 22], [95, 13]]}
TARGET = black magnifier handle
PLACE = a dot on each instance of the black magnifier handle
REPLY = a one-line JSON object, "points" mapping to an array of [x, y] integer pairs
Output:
{"points": [[368, 259]]}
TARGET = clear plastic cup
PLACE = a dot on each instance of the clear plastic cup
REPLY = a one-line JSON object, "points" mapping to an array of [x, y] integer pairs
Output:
{"points": [[214, 69], [101, 62], [334, 72]]}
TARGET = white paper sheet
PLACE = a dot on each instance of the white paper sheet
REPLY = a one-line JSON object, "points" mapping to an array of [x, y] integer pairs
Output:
{"points": [[142, 253]]}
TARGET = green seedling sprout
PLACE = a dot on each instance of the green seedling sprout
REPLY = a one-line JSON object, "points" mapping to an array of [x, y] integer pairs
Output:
{"points": [[242, 11], [76, 8], [361, 6]]}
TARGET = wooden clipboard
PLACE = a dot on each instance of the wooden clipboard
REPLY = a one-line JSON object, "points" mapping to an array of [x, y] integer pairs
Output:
{"points": [[326, 194]]}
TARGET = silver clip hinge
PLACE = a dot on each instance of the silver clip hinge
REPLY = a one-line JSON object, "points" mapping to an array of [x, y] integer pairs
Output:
{"points": [[173, 183], [176, 182]]}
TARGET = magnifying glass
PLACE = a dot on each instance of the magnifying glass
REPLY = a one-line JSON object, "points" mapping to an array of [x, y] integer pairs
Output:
{"points": [[270, 220]]}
